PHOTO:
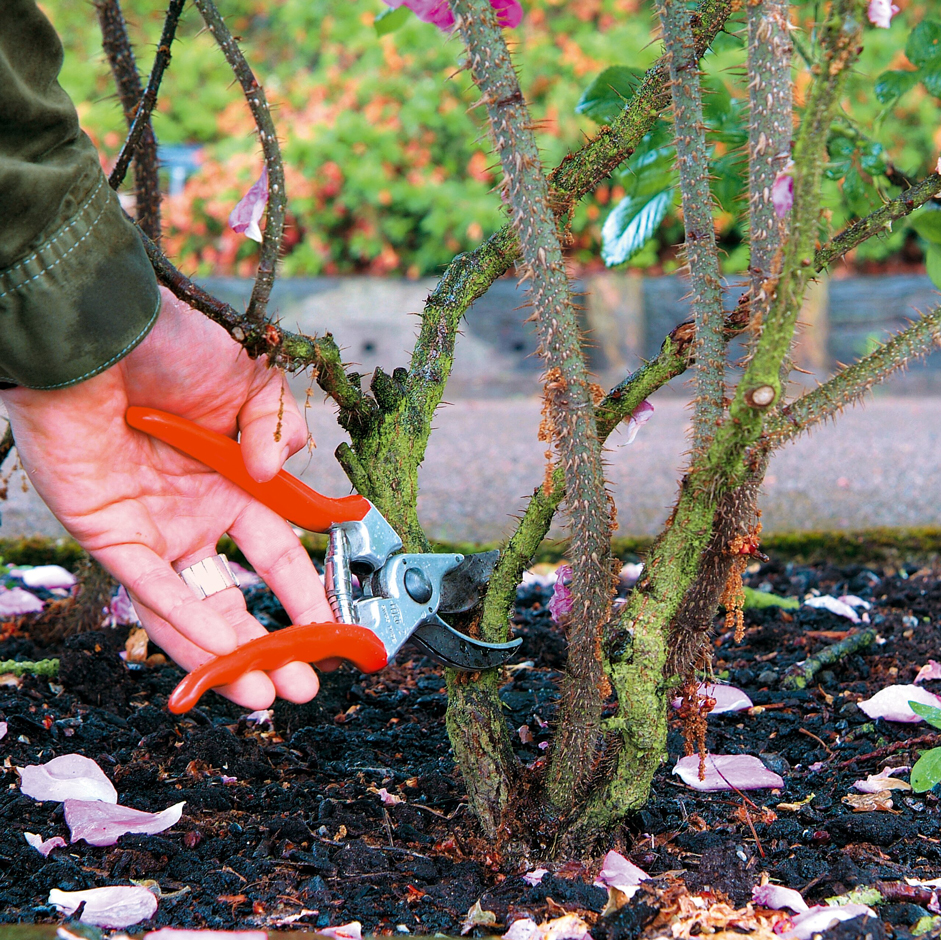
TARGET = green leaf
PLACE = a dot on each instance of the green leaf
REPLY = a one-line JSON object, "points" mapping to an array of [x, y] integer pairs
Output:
{"points": [[604, 99], [388, 21], [649, 174], [630, 225], [931, 714], [933, 264], [924, 43], [892, 85], [931, 79], [927, 770], [761, 599], [928, 224]]}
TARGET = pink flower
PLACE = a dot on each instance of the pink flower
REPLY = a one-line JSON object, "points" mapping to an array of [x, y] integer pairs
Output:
{"points": [[881, 12], [438, 12], [782, 192], [251, 207], [560, 607]]}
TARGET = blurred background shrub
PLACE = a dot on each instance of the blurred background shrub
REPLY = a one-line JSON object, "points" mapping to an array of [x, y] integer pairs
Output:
{"points": [[388, 170]]}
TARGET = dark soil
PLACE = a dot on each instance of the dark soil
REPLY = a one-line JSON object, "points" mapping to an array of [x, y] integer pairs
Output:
{"points": [[302, 831]]}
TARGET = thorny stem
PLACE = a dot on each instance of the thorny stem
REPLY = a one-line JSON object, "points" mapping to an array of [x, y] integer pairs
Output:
{"points": [[700, 246], [769, 141], [674, 358], [470, 275], [879, 221], [760, 386], [118, 49], [853, 382], [149, 100], [277, 200], [569, 410]]}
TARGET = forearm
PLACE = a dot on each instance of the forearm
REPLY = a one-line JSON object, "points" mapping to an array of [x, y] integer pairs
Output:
{"points": [[76, 289]]}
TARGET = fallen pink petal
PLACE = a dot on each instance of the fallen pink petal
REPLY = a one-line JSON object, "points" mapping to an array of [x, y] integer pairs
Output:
{"points": [[246, 215], [104, 823], [4, 727], [523, 929], [631, 572], [14, 602], [881, 13], [727, 697], [620, 873], [931, 670], [726, 772], [350, 931], [775, 897], [525, 735], [820, 917], [264, 716], [853, 601], [560, 605], [44, 847], [535, 876], [68, 777], [834, 605], [390, 799], [122, 608], [891, 703], [115, 907], [882, 781], [45, 576], [639, 417]]}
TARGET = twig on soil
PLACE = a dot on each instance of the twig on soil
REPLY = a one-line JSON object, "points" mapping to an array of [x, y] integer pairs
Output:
{"points": [[800, 675], [820, 741], [49, 668], [931, 738]]}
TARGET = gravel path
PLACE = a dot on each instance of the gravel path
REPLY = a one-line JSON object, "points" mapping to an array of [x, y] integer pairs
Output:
{"points": [[879, 465]]}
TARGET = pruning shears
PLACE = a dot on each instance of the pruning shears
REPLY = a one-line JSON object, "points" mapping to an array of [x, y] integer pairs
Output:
{"points": [[403, 594]]}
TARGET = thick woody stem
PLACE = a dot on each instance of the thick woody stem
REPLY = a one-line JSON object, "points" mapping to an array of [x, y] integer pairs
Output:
{"points": [[850, 384], [277, 199], [760, 386], [569, 408], [118, 49], [149, 100], [769, 140], [701, 253], [469, 276]]}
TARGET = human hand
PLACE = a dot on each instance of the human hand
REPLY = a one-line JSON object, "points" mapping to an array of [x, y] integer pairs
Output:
{"points": [[144, 510]]}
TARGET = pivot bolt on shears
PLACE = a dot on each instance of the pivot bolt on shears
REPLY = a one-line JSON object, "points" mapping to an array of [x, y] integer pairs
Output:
{"points": [[403, 593]]}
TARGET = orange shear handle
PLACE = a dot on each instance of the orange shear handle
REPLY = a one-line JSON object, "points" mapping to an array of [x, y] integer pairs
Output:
{"points": [[285, 494], [311, 642]]}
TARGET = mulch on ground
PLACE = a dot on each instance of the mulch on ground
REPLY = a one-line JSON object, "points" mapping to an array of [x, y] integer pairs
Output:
{"points": [[284, 823]]}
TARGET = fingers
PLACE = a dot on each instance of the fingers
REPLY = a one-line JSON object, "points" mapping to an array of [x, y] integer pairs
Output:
{"points": [[151, 580], [275, 552], [271, 427], [295, 682]]}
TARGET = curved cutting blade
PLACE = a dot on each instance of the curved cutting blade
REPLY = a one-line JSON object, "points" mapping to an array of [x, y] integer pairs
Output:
{"points": [[462, 587], [451, 648]]}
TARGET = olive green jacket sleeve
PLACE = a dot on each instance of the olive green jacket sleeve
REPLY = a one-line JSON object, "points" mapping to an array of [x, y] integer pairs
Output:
{"points": [[76, 289]]}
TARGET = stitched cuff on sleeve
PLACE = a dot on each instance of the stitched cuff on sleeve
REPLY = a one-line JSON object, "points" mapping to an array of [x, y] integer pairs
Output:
{"points": [[80, 299]]}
